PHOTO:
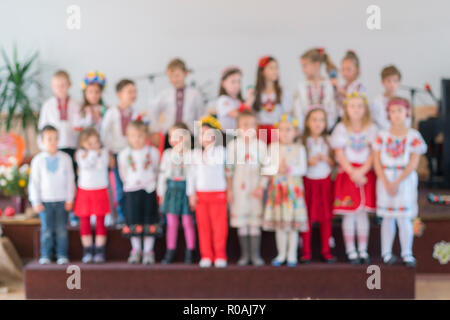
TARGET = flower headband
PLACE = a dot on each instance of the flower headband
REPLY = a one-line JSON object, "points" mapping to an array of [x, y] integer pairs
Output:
{"points": [[263, 61], [93, 77], [355, 94], [229, 70], [286, 118], [398, 101], [315, 107], [211, 121]]}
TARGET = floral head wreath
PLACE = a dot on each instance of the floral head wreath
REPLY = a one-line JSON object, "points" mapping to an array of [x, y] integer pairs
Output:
{"points": [[93, 77], [321, 50], [355, 94], [263, 61], [211, 121], [229, 70], [286, 118]]}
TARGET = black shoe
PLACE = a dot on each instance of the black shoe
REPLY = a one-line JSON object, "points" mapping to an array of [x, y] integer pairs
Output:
{"points": [[88, 254], [169, 257], [390, 261], [329, 259], [364, 260], [189, 256], [99, 256], [409, 262], [353, 258], [305, 260]]}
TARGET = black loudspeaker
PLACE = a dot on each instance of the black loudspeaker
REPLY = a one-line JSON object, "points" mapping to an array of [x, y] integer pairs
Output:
{"points": [[445, 113]]}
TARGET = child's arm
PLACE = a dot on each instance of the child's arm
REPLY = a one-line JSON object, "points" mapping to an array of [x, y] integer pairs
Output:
{"points": [[343, 162], [85, 159], [299, 168], [70, 183], [163, 175], [225, 108], [229, 169], [412, 166], [105, 130], [379, 168], [34, 189]]}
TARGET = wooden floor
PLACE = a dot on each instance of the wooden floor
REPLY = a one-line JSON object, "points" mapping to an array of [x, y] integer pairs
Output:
{"points": [[428, 287]]}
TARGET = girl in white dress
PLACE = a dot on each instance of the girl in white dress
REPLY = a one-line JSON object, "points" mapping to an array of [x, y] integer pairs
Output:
{"points": [[316, 90], [397, 153], [92, 109]]}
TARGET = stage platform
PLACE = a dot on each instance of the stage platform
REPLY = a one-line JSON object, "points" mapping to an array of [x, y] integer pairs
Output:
{"points": [[119, 280]]}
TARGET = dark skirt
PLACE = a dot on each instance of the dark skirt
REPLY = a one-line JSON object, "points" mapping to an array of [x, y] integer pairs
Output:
{"points": [[141, 214], [175, 199]]}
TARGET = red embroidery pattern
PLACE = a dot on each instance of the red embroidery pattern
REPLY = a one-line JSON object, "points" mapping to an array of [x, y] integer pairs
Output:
{"points": [[395, 148]]}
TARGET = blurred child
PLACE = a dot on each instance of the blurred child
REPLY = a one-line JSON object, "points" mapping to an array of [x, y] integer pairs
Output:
{"points": [[172, 192], [92, 194], [206, 188], [354, 189], [51, 192], [350, 71], [285, 211], [396, 157], [230, 98], [247, 166], [317, 89], [92, 108], [390, 79], [270, 100], [318, 184], [180, 103], [138, 168], [113, 134]]}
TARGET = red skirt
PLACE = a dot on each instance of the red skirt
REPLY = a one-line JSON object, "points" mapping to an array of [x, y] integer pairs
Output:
{"points": [[319, 199], [91, 202], [350, 197], [267, 133]]}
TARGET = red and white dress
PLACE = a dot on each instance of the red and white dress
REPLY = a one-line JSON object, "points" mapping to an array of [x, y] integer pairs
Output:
{"points": [[92, 194], [270, 113], [318, 197], [350, 197]]}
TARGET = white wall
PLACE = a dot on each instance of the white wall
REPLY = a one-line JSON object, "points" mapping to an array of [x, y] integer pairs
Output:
{"points": [[135, 37]]}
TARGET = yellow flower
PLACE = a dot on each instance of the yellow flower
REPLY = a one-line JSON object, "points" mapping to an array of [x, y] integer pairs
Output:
{"points": [[22, 183]]}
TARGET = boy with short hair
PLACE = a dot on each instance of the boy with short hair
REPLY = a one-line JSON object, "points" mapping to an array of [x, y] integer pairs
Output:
{"points": [[51, 192]]}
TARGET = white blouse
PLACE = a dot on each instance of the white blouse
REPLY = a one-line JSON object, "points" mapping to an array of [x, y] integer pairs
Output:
{"points": [[67, 129], [207, 170], [308, 95], [93, 169], [356, 145], [111, 130], [87, 120], [51, 178], [322, 169], [226, 104], [173, 166], [138, 169], [271, 111]]}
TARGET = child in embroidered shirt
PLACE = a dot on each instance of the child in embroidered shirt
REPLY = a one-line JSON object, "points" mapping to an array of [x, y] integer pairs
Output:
{"points": [[230, 98], [51, 192], [318, 184], [206, 188], [350, 71], [172, 192], [354, 189], [113, 134], [316, 90], [390, 79], [396, 158], [92, 195], [270, 99], [247, 169], [138, 168], [92, 108], [285, 211]]}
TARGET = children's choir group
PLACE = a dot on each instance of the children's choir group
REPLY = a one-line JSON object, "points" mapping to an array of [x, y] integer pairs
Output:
{"points": [[280, 171]]}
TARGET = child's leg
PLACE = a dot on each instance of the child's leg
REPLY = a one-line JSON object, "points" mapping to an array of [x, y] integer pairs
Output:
{"points": [[255, 246], [348, 229], [149, 243], [406, 234], [218, 216], [362, 230], [281, 239], [325, 235], [62, 241], [136, 244], [189, 231], [100, 232], [120, 197], [86, 232], [387, 236], [306, 242], [243, 233], [292, 246], [47, 218], [172, 231], [204, 230]]}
